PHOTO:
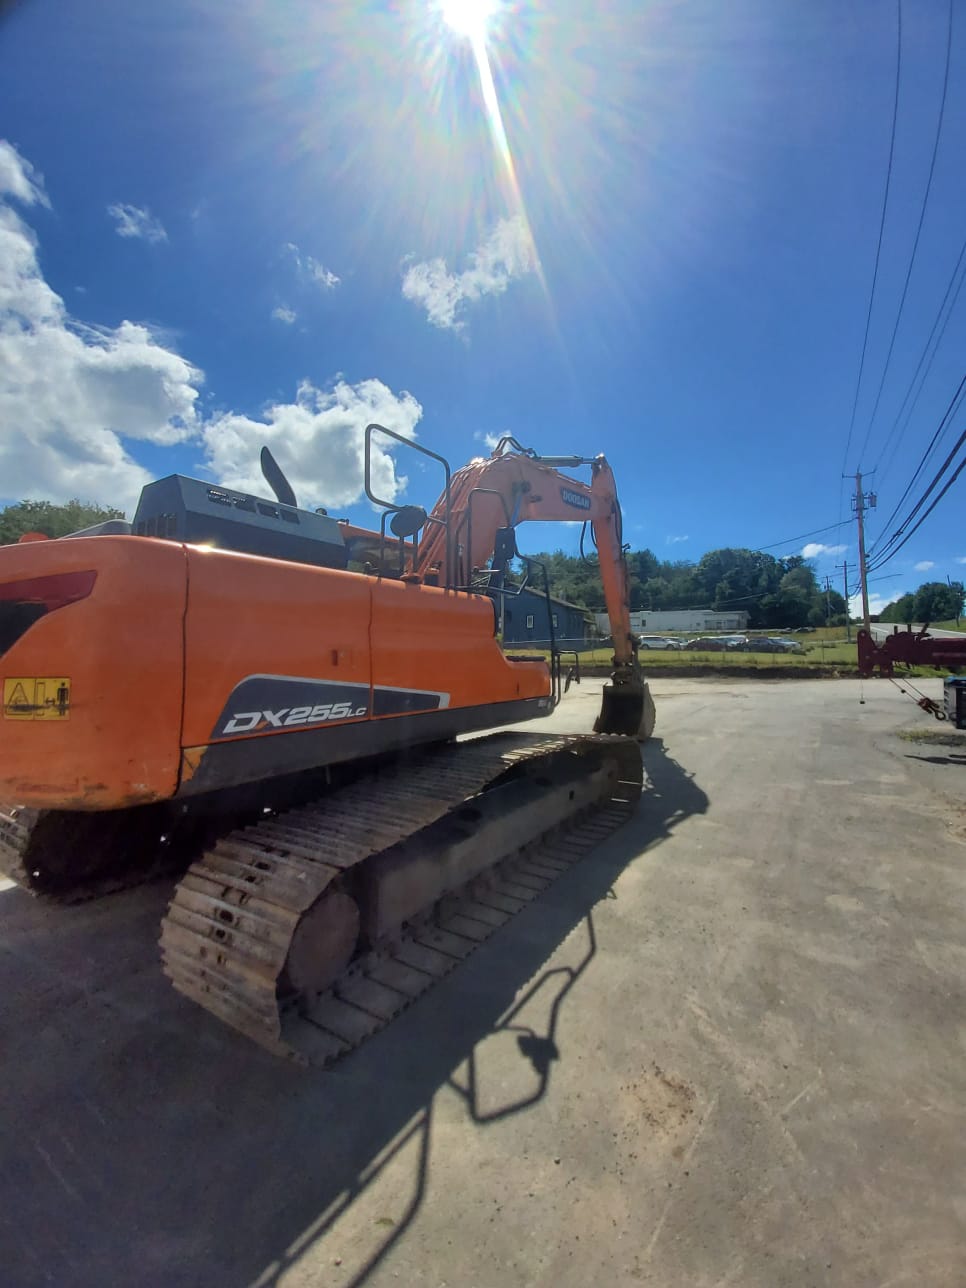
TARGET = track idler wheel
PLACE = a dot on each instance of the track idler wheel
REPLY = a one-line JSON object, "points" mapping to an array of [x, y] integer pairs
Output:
{"points": [[322, 945]]}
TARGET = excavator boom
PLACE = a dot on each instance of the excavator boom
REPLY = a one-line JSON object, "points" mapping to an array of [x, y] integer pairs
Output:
{"points": [[491, 496]]}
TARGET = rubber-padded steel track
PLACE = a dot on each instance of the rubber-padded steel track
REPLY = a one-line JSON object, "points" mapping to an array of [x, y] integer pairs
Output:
{"points": [[16, 826], [69, 856], [226, 937]]}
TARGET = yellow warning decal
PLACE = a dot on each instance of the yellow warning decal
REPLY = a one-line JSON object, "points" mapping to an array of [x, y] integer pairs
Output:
{"points": [[43, 697]]}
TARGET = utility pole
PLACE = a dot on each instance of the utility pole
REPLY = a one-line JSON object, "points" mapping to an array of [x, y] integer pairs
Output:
{"points": [[861, 502], [828, 602], [959, 602], [845, 592]]}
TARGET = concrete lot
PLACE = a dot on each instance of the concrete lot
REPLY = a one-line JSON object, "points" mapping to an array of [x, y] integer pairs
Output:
{"points": [[728, 1048]]}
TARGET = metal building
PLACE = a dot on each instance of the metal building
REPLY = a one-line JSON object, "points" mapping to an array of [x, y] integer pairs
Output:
{"points": [[681, 619], [526, 621]]}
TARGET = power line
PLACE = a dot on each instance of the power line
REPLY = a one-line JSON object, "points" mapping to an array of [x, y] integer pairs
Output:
{"points": [[922, 358], [915, 244], [951, 410], [959, 469], [878, 249], [891, 548], [802, 535]]}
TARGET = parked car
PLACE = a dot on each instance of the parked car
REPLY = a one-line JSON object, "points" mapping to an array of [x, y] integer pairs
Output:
{"points": [[656, 641], [709, 644], [769, 644]]}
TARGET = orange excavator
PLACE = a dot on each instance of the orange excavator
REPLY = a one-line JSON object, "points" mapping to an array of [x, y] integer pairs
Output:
{"points": [[274, 697]]}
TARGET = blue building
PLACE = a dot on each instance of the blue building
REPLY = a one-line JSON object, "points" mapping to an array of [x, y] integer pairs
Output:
{"points": [[527, 621]]}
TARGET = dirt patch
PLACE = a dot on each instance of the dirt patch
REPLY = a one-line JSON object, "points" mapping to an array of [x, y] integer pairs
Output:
{"points": [[663, 1101], [935, 737]]}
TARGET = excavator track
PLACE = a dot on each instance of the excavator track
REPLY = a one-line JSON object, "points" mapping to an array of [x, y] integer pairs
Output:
{"points": [[70, 857], [16, 827], [264, 931]]}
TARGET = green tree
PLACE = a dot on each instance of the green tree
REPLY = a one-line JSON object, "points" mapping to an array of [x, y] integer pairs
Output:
{"points": [[835, 606], [643, 564], [52, 520], [935, 601], [796, 599], [778, 593], [656, 594], [901, 610]]}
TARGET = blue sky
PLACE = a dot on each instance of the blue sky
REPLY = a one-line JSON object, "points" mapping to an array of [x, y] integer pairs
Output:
{"points": [[224, 225]]}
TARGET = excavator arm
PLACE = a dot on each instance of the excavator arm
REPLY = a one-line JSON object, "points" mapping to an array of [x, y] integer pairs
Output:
{"points": [[515, 485]]}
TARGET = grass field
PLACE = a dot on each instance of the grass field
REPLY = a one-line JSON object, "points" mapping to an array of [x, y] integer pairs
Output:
{"points": [[825, 651], [832, 657]]}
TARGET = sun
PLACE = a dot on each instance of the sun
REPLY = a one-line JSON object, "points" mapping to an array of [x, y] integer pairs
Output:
{"points": [[468, 17]]}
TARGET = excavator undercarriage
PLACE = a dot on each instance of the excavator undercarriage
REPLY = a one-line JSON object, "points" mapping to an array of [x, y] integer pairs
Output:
{"points": [[311, 928]]}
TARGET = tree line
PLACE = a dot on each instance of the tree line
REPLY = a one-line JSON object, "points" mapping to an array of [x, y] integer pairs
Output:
{"points": [[934, 601], [52, 520], [775, 592]]}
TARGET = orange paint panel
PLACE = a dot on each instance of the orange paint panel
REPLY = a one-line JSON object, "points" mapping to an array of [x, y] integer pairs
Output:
{"points": [[119, 646], [146, 645], [442, 641], [249, 616]]}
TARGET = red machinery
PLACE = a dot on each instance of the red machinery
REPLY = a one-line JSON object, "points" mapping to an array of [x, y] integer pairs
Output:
{"points": [[919, 648], [909, 648]]}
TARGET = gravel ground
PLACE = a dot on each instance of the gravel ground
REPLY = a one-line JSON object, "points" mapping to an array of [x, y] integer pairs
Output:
{"points": [[727, 1048]]}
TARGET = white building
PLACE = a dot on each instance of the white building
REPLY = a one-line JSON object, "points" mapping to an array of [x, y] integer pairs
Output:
{"points": [[681, 619]]}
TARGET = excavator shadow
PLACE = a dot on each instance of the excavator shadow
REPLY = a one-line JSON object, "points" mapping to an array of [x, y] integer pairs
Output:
{"points": [[140, 1142]]}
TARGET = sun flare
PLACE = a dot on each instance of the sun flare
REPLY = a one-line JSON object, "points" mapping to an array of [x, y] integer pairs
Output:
{"points": [[471, 20], [468, 17]]}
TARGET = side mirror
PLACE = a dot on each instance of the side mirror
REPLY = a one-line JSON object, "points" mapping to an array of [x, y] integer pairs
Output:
{"points": [[407, 521]]}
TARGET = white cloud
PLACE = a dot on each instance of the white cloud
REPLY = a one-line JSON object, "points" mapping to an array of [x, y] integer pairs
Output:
{"points": [[507, 253], [924, 565], [488, 440], [18, 178], [321, 275], [815, 548], [876, 604], [318, 441], [284, 314], [961, 559], [69, 392], [132, 221], [312, 270], [73, 396], [673, 541]]}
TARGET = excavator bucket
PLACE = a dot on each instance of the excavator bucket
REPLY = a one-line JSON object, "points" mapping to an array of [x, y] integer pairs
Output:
{"points": [[627, 709]]}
